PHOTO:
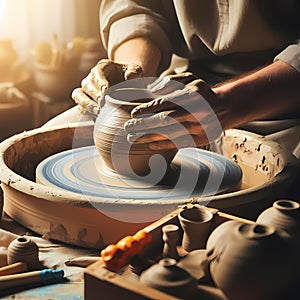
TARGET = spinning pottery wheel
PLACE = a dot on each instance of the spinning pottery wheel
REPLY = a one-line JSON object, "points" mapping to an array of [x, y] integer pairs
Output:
{"points": [[83, 171], [67, 215]]}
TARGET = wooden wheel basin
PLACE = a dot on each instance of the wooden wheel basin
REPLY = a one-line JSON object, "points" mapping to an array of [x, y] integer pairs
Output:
{"points": [[69, 217]]}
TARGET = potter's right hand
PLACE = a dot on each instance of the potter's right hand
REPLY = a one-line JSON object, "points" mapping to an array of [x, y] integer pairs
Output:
{"points": [[105, 74]]}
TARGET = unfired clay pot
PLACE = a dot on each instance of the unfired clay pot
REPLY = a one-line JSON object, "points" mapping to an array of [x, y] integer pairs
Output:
{"points": [[251, 261], [283, 215], [166, 276], [196, 223], [110, 138], [23, 250]]}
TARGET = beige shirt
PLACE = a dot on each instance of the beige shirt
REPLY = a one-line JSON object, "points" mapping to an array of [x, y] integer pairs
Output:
{"points": [[229, 35]]}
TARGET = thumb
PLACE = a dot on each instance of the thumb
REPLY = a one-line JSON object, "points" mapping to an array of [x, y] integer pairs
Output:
{"points": [[132, 71]]}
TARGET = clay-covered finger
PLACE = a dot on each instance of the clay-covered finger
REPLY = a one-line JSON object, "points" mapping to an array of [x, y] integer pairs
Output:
{"points": [[180, 142], [170, 83], [106, 74], [164, 85], [132, 71], [81, 98], [179, 98], [90, 89], [171, 132], [149, 122]]}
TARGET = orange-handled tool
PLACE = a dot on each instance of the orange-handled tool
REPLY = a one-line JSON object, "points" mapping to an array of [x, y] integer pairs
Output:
{"points": [[115, 256]]}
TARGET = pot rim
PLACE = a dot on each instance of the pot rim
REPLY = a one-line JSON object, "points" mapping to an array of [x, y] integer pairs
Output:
{"points": [[116, 101]]}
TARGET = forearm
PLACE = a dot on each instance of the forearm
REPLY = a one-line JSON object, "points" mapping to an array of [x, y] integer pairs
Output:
{"points": [[139, 51], [268, 92]]}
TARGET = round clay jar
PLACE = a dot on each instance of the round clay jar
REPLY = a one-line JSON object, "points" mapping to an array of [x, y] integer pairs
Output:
{"points": [[166, 276], [283, 215], [251, 261], [110, 138], [23, 250]]}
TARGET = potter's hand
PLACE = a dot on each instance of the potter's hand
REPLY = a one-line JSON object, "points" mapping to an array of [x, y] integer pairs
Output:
{"points": [[104, 75], [185, 117]]}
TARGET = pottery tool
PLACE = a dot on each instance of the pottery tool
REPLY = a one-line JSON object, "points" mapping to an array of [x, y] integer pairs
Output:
{"points": [[82, 261], [15, 268], [43, 276], [116, 256]]}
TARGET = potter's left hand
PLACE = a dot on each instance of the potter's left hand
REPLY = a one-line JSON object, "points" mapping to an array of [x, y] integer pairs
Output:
{"points": [[104, 75], [189, 116]]}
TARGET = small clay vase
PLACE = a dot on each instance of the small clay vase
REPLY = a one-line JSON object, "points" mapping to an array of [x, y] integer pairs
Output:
{"points": [[283, 215], [196, 223], [24, 250], [166, 276], [120, 156], [251, 261], [170, 237]]}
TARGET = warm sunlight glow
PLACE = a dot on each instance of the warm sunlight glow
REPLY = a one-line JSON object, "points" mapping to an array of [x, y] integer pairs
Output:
{"points": [[2, 4]]}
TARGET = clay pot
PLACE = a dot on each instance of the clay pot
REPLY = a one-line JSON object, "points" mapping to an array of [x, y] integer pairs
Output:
{"points": [[251, 261], [110, 138], [166, 276], [196, 223], [283, 215], [170, 237], [23, 250]]}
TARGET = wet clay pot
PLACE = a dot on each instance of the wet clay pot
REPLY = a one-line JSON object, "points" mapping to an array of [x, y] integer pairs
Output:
{"points": [[283, 215], [110, 138], [166, 276], [251, 261]]}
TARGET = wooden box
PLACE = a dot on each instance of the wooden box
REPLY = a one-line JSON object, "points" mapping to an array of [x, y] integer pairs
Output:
{"points": [[100, 282]]}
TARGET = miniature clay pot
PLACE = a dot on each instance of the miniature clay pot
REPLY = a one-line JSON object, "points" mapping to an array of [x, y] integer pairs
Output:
{"points": [[251, 261], [196, 223], [166, 276], [110, 138], [283, 215], [170, 237], [23, 250]]}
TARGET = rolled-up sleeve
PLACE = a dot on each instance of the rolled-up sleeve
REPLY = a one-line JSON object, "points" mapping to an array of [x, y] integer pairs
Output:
{"points": [[291, 55], [121, 20]]}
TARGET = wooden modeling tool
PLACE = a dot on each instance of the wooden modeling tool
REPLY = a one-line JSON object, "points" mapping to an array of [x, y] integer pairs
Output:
{"points": [[18, 267], [43, 276]]}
